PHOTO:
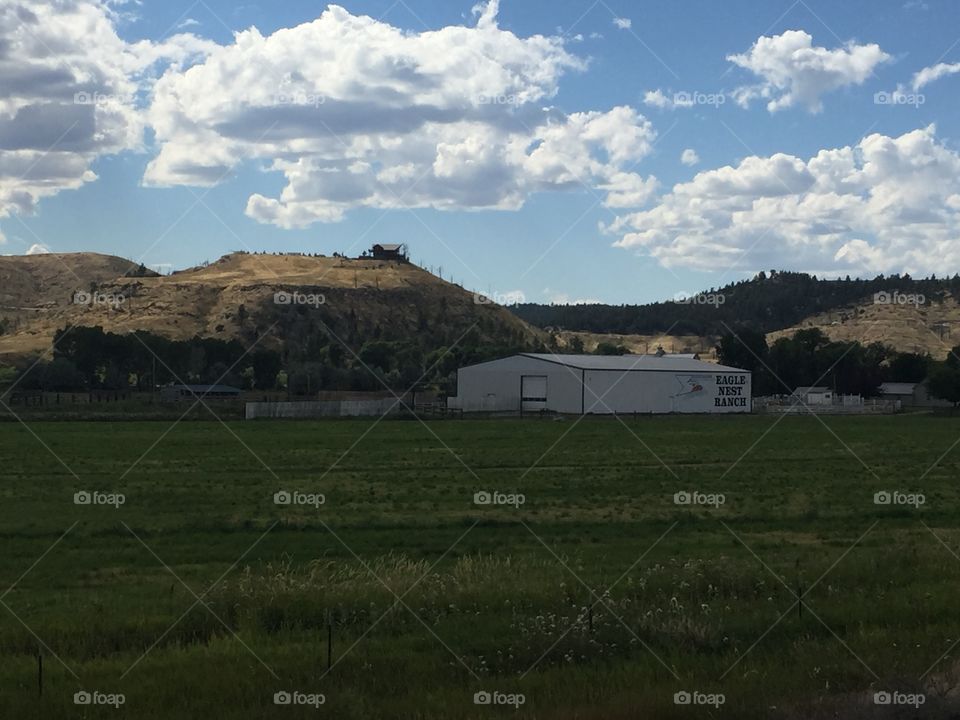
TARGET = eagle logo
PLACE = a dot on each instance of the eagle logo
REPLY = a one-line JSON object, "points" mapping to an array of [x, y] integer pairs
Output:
{"points": [[690, 385]]}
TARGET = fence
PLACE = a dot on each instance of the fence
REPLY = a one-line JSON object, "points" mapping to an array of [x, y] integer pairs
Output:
{"points": [[843, 405], [323, 409], [37, 398]]}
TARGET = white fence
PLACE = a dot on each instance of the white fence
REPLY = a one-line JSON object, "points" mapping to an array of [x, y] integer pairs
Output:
{"points": [[323, 408], [842, 405]]}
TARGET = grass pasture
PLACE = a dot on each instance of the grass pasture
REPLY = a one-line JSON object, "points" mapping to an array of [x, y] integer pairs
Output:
{"points": [[597, 598]]}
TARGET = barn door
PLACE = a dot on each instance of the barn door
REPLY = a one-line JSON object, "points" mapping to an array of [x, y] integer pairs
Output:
{"points": [[533, 392]]}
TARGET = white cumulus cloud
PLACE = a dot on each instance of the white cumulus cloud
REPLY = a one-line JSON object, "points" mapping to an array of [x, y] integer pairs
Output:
{"points": [[622, 23], [885, 204], [689, 157], [658, 99], [70, 88], [357, 113], [792, 71]]}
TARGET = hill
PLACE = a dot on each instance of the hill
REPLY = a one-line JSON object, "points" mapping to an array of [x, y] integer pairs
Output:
{"points": [[932, 328], [778, 304], [573, 341], [283, 298]]}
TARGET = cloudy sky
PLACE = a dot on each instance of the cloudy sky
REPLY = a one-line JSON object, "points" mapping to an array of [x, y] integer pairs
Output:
{"points": [[607, 150]]}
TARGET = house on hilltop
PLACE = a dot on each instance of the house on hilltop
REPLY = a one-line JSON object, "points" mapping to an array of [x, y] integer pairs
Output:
{"points": [[389, 251]]}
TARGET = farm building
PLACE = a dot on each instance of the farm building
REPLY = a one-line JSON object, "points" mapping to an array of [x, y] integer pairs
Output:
{"points": [[911, 394], [601, 384], [902, 391], [813, 395]]}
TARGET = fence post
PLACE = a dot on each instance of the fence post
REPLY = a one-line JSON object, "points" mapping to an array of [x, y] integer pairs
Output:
{"points": [[799, 591], [329, 642]]}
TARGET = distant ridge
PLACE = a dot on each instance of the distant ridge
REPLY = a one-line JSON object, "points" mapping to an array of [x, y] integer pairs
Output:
{"points": [[779, 303]]}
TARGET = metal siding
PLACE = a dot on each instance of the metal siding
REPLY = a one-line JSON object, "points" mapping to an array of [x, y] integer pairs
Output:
{"points": [[495, 387], [665, 392]]}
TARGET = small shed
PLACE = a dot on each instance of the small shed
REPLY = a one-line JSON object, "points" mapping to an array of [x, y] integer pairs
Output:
{"points": [[899, 391], [912, 394], [813, 395]]}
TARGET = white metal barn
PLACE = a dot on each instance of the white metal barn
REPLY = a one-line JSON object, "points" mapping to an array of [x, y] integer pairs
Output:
{"points": [[601, 384]]}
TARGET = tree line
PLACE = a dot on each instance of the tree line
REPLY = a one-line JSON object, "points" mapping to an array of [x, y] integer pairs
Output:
{"points": [[88, 358], [769, 301], [847, 367]]}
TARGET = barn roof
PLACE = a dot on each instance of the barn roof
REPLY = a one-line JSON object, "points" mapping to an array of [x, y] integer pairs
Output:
{"points": [[674, 363], [389, 247], [804, 389]]}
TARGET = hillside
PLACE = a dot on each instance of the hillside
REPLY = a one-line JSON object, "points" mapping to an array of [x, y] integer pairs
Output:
{"points": [[640, 344], [233, 298], [932, 328], [778, 304], [365, 299]]}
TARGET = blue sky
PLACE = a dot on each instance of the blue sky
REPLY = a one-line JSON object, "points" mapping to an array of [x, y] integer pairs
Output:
{"points": [[892, 208]]}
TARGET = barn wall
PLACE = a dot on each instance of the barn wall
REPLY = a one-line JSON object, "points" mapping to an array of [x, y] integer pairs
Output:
{"points": [[612, 391], [495, 386]]}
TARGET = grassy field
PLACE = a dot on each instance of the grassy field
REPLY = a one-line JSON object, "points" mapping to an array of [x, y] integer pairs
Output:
{"points": [[597, 597]]}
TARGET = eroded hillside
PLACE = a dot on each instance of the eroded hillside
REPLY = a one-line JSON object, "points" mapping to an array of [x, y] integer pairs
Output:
{"points": [[243, 296]]}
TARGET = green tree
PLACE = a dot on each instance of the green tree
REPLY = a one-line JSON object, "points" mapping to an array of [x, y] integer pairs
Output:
{"points": [[746, 349], [61, 375], [944, 382], [266, 367], [378, 354], [908, 367], [606, 348]]}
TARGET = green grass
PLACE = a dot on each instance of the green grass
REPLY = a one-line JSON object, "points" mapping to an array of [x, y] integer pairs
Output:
{"points": [[493, 598]]}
